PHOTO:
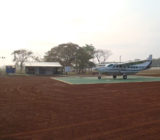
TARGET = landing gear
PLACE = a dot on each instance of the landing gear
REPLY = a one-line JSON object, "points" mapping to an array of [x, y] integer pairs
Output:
{"points": [[99, 77], [125, 77], [114, 76]]}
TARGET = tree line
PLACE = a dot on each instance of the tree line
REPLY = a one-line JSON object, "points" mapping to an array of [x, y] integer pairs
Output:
{"points": [[156, 62], [67, 54]]}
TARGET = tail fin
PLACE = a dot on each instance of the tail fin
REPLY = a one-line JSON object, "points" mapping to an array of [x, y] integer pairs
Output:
{"points": [[149, 58]]}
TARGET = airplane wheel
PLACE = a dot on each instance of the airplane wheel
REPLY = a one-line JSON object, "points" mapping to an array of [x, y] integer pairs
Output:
{"points": [[114, 76], [124, 76], [99, 77]]}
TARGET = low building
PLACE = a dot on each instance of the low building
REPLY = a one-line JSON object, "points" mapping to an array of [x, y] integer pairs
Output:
{"points": [[43, 68]]}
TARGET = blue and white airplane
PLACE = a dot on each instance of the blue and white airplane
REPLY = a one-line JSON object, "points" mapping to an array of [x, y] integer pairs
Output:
{"points": [[124, 69]]}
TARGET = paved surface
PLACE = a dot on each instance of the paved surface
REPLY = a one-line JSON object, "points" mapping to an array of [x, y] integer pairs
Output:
{"points": [[39, 108], [94, 80]]}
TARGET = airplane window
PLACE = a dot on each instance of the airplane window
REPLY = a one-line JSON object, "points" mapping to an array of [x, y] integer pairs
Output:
{"points": [[110, 65]]}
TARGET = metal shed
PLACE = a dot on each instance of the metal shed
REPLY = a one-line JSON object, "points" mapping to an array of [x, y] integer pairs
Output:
{"points": [[43, 68]]}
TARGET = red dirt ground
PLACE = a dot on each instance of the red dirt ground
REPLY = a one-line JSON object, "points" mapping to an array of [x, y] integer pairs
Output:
{"points": [[39, 108]]}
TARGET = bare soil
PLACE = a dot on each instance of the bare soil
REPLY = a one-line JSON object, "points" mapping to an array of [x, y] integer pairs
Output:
{"points": [[39, 108]]}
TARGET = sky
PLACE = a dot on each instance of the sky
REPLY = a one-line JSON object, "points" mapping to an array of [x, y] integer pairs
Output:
{"points": [[128, 28]]}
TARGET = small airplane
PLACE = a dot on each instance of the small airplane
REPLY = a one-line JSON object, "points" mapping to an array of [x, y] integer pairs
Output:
{"points": [[124, 69]]}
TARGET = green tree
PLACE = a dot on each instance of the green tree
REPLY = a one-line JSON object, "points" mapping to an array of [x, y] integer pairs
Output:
{"points": [[83, 57], [90, 49], [64, 53]]}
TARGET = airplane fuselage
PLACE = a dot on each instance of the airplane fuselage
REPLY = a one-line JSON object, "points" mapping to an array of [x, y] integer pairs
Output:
{"points": [[125, 68], [120, 71]]}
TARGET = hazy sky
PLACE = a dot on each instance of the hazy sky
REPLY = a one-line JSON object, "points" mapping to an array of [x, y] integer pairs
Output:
{"points": [[130, 28]]}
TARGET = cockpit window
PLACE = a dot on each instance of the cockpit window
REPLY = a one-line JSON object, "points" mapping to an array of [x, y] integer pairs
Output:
{"points": [[110, 65]]}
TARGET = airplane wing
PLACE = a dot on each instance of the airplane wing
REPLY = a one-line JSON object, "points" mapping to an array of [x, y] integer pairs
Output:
{"points": [[135, 62], [131, 63]]}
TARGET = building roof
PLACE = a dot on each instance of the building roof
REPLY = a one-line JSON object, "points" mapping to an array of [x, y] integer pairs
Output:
{"points": [[43, 64]]}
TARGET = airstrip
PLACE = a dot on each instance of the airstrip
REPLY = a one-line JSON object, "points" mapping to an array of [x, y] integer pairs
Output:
{"points": [[108, 79]]}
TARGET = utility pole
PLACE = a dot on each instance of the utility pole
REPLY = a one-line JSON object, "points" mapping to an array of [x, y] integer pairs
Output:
{"points": [[120, 59]]}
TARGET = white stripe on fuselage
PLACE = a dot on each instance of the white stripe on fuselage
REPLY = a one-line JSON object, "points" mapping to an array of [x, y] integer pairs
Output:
{"points": [[120, 69]]}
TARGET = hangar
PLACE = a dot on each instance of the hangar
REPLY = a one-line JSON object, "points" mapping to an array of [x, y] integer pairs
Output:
{"points": [[43, 68]]}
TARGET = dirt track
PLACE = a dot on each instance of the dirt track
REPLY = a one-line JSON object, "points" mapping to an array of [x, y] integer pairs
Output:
{"points": [[39, 108]]}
